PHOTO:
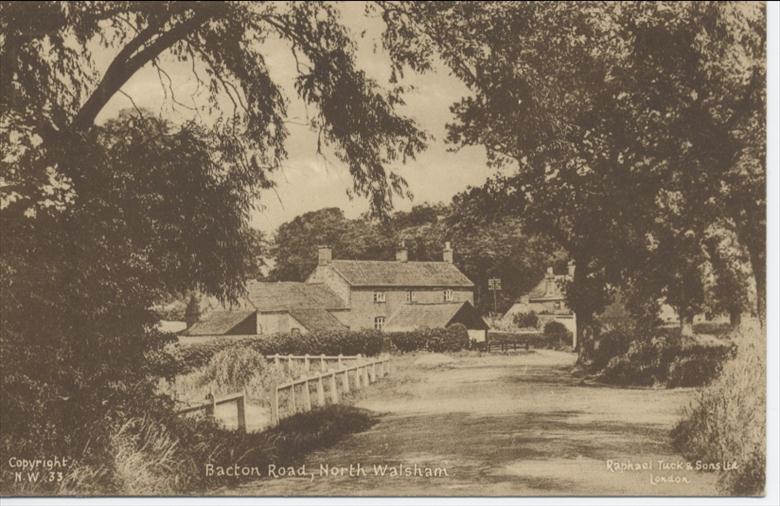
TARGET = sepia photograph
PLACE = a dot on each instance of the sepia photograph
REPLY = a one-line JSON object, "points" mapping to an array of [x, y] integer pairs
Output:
{"points": [[385, 249]]}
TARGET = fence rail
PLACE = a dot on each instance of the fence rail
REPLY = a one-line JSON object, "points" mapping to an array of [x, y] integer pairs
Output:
{"points": [[210, 406], [359, 375], [364, 374], [308, 360]]}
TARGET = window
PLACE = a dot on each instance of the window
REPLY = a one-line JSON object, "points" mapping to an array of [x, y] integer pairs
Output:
{"points": [[557, 305], [447, 295], [379, 297], [410, 296], [379, 322], [295, 331]]}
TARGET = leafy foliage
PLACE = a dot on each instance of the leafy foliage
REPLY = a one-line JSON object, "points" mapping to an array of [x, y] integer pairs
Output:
{"points": [[109, 220], [626, 126], [436, 340], [526, 320]]}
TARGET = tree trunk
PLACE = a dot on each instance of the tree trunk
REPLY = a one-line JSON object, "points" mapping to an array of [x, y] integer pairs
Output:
{"points": [[735, 318]]}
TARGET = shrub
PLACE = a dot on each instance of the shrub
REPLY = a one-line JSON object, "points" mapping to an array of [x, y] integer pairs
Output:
{"points": [[557, 331], [663, 360], [406, 342], [609, 345], [726, 422], [233, 368], [438, 340], [526, 320], [346, 342]]}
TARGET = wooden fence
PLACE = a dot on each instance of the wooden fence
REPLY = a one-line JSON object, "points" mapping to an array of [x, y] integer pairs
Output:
{"points": [[309, 360], [210, 406], [363, 374]]}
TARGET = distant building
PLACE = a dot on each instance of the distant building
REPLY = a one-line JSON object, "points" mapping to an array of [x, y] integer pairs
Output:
{"points": [[355, 294], [548, 300]]}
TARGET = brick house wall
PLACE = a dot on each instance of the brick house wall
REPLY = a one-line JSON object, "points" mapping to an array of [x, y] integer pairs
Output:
{"points": [[363, 309]]}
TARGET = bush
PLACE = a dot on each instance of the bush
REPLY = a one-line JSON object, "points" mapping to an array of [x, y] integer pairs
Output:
{"points": [[533, 340], [609, 345], [526, 320], [726, 422], [437, 340], [346, 342], [557, 331], [663, 360]]}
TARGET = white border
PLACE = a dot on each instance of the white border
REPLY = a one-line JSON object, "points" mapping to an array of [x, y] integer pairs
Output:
{"points": [[773, 419]]}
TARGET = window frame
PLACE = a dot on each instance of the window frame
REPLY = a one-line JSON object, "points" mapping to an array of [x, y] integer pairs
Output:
{"points": [[449, 295], [379, 322], [380, 297]]}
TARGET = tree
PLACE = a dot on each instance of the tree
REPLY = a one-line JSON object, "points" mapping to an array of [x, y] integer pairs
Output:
{"points": [[107, 220], [609, 112]]}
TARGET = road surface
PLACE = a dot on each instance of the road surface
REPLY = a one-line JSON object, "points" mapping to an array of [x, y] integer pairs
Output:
{"points": [[502, 425]]}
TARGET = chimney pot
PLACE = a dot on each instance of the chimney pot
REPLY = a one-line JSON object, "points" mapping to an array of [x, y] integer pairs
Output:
{"points": [[324, 255], [448, 254]]}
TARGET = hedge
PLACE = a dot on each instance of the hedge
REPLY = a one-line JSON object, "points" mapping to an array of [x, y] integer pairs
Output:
{"points": [[534, 340], [347, 342], [438, 340]]}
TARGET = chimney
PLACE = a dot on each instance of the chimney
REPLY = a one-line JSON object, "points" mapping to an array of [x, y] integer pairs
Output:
{"points": [[571, 268], [447, 252], [324, 255], [192, 313], [549, 281], [401, 254]]}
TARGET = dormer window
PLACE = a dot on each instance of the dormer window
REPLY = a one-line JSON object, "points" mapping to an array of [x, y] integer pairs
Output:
{"points": [[410, 297], [448, 295], [379, 297]]}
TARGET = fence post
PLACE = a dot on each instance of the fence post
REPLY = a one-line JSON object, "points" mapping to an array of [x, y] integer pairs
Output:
{"points": [[366, 376], [293, 408], [289, 363], [320, 391], [346, 380], [357, 378], [322, 362], [306, 396], [340, 364], [306, 363], [241, 411], [275, 406], [334, 392], [373, 371], [212, 409], [276, 359]]}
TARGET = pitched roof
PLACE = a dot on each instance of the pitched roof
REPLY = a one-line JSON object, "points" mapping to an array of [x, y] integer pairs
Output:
{"points": [[286, 295], [549, 288], [413, 316], [218, 323], [317, 319], [393, 273]]}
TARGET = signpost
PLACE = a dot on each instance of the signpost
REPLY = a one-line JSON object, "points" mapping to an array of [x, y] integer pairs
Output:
{"points": [[494, 285]]}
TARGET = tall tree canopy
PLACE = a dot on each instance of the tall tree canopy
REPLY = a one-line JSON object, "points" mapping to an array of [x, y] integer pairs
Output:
{"points": [[101, 221], [629, 126]]}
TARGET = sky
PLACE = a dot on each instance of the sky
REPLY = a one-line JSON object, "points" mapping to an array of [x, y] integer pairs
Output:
{"points": [[308, 181]]}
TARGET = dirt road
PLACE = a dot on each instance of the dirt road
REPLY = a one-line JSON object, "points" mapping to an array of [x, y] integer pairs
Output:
{"points": [[502, 425]]}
